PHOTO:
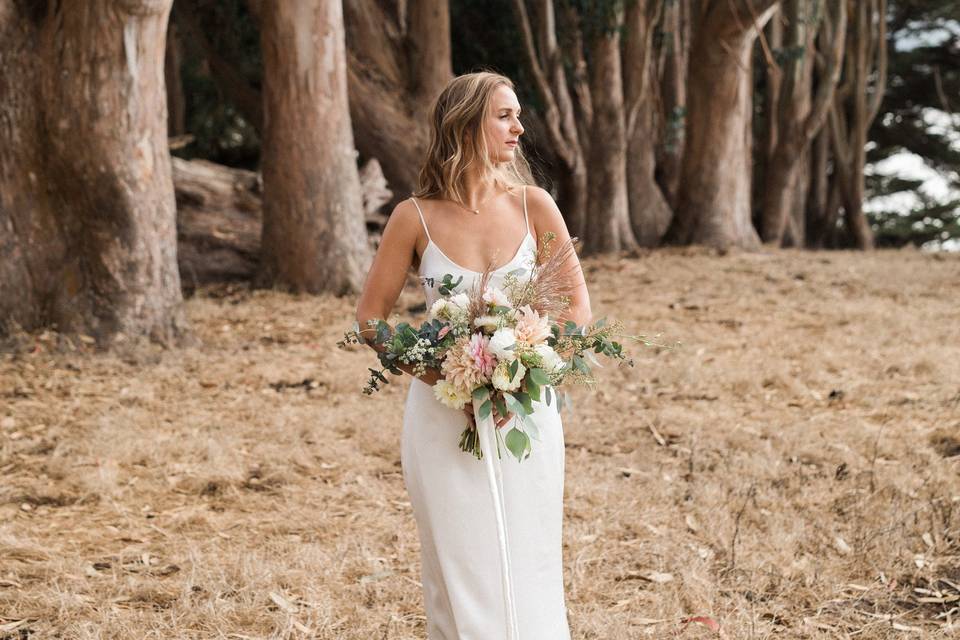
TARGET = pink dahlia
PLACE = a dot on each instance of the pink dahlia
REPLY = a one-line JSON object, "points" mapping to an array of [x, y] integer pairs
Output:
{"points": [[479, 350], [460, 368]]}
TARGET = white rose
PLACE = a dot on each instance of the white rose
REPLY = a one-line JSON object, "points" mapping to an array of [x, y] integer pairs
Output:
{"points": [[551, 359], [490, 323], [496, 297], [462, 300], [450, 395], [442, 308], [501, 377], [502, 344]]}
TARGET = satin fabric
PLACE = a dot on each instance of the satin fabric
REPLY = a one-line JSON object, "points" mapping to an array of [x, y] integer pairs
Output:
{"points": [[490, 530]]}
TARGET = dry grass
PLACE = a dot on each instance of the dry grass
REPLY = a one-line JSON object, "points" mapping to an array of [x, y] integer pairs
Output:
{"points": [[791, 472]]}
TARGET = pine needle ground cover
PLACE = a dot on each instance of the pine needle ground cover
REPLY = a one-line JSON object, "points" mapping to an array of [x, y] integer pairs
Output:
{"points": [[791, 471]]}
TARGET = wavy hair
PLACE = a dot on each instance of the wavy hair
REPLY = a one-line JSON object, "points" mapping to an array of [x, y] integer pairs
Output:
{"points": [[457, 143]]}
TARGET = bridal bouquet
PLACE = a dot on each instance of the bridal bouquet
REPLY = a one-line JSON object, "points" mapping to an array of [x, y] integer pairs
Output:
{"points": [[499, 347]]}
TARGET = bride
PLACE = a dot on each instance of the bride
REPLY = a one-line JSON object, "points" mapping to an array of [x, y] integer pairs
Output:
{"points": [[490, 531]]}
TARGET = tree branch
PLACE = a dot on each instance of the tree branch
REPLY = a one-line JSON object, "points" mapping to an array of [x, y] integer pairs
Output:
{"points": [[551, 112], [835, 34]]}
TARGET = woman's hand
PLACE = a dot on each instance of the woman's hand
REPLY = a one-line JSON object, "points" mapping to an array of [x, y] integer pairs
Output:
{"points": [[499, 420], [430, 376]]}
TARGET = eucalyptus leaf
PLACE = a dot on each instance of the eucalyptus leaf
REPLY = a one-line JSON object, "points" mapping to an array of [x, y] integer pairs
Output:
{"points": [[480, 394], [501, 406], [531, 427], [485, 409], [518, 443], [525, 401], [539, 376], [533, 390], [514, 405]]}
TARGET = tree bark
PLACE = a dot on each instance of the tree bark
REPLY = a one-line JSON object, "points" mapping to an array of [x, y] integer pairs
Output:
{"points": [[714, 205], [314, 238], [649, 212], [87, 213]]}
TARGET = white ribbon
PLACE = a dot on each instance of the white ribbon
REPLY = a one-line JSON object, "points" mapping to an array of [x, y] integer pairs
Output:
{"points": [[486, 429]]}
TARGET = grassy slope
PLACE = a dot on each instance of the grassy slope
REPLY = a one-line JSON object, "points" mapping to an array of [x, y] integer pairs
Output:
{"points": [[788, 467]]}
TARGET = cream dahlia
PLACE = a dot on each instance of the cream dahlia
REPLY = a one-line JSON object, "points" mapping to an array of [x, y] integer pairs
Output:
{"points": [[531, 328]]}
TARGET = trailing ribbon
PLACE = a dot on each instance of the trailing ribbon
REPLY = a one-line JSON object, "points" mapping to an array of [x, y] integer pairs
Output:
{"points": [[486, 430]]}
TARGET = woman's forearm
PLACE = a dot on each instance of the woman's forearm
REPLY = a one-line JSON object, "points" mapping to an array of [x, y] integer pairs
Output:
{"points": [[581, 315], [368, 334]]}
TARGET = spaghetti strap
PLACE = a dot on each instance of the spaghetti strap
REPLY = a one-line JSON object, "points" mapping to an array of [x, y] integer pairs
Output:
{"points": [[525, 218], [422, 221]]}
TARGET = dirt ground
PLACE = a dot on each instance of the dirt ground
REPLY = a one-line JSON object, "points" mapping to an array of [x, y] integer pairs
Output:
{"points": [[790, 471]]}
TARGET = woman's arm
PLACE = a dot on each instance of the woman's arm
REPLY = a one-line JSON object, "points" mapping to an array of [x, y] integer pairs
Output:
{"points": [[387, 275], [545, 216]]}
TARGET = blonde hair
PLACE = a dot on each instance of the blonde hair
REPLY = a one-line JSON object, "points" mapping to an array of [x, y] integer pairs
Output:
{"points": [[457, 142]]}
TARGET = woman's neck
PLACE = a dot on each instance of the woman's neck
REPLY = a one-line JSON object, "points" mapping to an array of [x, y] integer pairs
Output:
{"points": [[478, 189]]}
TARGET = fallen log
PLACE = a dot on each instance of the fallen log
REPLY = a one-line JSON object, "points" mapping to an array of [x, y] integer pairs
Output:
{"points": [[219, 218]]}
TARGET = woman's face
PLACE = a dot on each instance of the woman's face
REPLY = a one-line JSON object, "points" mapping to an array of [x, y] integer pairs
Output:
{"points": [[502, 128]]}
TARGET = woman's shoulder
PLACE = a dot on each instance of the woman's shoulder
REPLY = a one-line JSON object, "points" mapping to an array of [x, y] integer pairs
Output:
{"points": [[540, 202], [405, 218]]}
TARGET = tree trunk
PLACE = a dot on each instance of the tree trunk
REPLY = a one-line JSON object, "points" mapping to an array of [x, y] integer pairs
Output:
{"points": [[649, 212], [673, 97], [564, 127], [852, 115], [819, 191], [431, 67], [798, 119], [399, 60], [795, 232], [314, 238], [176, 101], [714, 206], [608, 227], [87, 213], [219, 219]]}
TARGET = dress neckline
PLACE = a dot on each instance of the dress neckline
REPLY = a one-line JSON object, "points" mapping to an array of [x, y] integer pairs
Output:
{"points": [[431, 243]]}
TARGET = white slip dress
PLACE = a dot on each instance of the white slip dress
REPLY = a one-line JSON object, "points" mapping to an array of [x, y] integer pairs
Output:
{"points": [[489, 530]]}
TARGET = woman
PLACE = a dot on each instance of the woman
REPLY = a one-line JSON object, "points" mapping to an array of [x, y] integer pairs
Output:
{"points": [[491, 552]]}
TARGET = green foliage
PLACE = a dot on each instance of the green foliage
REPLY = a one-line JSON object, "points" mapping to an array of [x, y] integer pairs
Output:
{"points": [[221, 134], [930, 222], [923, 80], [518, 443]]}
